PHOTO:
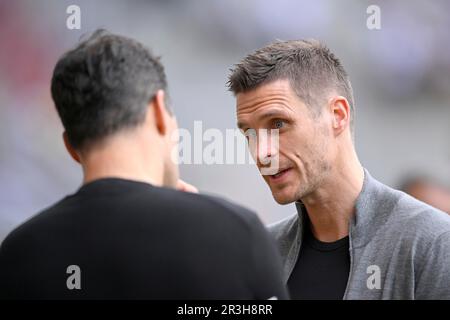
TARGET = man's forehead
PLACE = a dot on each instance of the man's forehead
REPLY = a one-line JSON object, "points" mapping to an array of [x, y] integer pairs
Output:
{"points": [[268, 98], [279, 89]]}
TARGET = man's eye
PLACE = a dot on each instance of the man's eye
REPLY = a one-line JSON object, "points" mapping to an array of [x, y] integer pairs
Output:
{"points": [[249, 133], [278, 124]]}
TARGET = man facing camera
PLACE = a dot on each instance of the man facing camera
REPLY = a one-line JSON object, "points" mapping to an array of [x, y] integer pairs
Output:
{"points": [[126, 233], [352, 237]]}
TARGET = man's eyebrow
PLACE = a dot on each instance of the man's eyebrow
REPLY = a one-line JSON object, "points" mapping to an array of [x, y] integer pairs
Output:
{"points": [[265, 115], [272, 114], [240, 125]]}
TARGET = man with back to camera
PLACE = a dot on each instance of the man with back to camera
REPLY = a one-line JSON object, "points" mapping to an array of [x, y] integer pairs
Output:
{"points": [[352, 237], [126, 234]]}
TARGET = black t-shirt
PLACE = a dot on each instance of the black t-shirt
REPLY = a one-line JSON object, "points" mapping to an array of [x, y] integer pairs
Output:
{"points": [[132, 240], [322, 269]]}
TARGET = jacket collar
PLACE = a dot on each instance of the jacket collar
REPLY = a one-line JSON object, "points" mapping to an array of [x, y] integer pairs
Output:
{"points": [[370, 211]]}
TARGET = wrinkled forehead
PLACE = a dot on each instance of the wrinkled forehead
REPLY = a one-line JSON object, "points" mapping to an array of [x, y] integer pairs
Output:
{"points": [[279, 90]]}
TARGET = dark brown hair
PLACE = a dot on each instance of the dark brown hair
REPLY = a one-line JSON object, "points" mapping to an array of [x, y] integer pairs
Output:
{"points": [[104, 85]]}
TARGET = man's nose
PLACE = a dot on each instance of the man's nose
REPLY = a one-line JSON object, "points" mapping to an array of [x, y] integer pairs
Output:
{"points": [[267, 147]]}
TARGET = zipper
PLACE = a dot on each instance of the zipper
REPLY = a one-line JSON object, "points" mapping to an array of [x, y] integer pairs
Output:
{"points": [[350, 249], [299, 237]]}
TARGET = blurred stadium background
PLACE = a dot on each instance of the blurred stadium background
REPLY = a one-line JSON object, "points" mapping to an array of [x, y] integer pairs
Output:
{"points": [[400, 75]]}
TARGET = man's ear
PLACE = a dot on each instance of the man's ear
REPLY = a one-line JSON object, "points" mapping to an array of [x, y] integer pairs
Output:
{"points": [[160, 112], [340, 109], [70, 149]]}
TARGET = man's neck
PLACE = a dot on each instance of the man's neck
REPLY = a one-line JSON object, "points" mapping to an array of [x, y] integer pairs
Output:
{"points": [[122, 159], [331, 206]]}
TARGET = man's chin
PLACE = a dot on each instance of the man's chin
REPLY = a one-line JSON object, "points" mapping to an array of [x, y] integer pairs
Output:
{"points": [[283, 198]]}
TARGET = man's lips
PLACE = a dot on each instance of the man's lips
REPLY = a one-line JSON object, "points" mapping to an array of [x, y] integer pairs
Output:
{"points": [[280, 175]]}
